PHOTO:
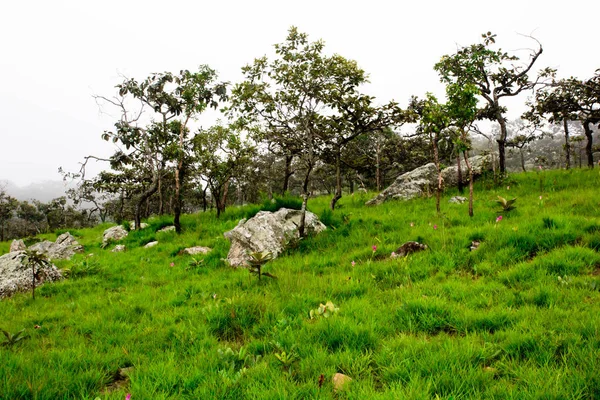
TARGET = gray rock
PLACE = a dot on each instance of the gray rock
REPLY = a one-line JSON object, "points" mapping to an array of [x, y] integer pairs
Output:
{"points": [[166, 229], [408, 248], [457, 200], [119, 248], [17, 245], [268, 231], [64, 247], [113, 234], [16, 275], [150, 244], [197, 250], [422, 181], [143, 225]]}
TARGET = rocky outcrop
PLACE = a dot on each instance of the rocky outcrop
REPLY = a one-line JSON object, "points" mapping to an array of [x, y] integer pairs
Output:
{"points": [[408, 248], [113, 234], [64, 247], [423, 180], [16, 275], [17, 245], [268, 232]]}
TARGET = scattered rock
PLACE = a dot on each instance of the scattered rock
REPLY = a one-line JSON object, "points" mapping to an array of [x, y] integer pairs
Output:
{"points": [[143, 225], [340, 381], [64, 247], [166, 229], [267, 231], [113, 234], [16, 275], [119, 248], [422, 181], [457, 200], [474, 245], [17, 245], [197, 250], [151, 244], [408, 248]]}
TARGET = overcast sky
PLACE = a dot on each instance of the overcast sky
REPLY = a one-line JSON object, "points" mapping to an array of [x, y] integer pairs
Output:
{"points": [[56, 54]]}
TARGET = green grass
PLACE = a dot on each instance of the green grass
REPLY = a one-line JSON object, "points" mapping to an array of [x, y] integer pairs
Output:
{"points": [[517, 318]]}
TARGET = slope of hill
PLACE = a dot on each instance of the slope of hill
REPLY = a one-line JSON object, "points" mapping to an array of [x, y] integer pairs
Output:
{"points": [[516, 317]]}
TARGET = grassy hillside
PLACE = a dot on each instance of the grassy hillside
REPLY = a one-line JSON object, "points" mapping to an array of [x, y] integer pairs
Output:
{"points": [[519, 317]]}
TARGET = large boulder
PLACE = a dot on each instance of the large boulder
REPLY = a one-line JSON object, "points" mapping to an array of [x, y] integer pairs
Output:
{"points": [[16, 275], [422, 181], [113, 234], [64, 247], [268, 231], [17, 245]]}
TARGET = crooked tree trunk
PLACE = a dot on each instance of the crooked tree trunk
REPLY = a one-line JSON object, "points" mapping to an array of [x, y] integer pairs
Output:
{"points": [[522, 159], [141, 200], [567, 145], [338, 182], [461, 187], [502, 144], [160, 197], [589, 145], [466, 156]]}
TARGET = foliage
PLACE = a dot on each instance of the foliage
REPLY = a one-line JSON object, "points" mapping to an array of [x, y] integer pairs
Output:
{"points": [[256, 262], [12, 339], [324, 310], [506, 205]]}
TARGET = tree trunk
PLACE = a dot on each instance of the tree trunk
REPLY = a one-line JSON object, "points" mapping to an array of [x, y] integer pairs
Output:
{"points": [[223, 200], [288, 173], [461, 188], [436, 159], [522, 159], [160, 196], [301, 226], [567, 145], [466, 156], [138, 207], [589, 145], [378, 167], [338, 182], [502, 144], [204, 198]]}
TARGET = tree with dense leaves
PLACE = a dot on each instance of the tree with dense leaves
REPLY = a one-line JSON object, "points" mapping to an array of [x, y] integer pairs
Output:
{"points": [[496, 75], [293, 99], [8, 206]]}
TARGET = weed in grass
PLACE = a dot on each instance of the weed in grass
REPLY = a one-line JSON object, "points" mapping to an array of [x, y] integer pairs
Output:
{"points": [[13, 338]]}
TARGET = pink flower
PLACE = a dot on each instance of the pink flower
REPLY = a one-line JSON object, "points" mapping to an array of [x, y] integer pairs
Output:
{"points": [[374, 248], [394, 255], [435, 227], [540, 197], [353, 263], [499, 218], [540, 167], [508, 188], [128, 397], [172, 264]]}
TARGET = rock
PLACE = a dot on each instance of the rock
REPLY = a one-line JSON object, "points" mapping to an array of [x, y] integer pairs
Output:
{"points": [[64, 247], [143, 225], [457, 200], [119, 248], [17, 245], [151, 244], [408, 248], [166, 229], [268, 231], [423, 180], [474, 245], [340, 381], [113, 234], [197, 250], [16, 275]]}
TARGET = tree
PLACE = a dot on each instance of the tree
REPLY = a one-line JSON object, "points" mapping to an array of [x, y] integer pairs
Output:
{"points": [[222, 156], [522, 133], [291, 98], [495, 74], [8, 205]]}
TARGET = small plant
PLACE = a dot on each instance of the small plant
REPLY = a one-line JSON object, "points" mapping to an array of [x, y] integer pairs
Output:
{"points": [[286, 360], [507, 205], [325, 310], [257, 260], [35, 259], [12, 339], [194, 263]]}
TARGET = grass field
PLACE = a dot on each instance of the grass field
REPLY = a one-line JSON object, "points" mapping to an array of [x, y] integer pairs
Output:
{"points": [[519, 317]]}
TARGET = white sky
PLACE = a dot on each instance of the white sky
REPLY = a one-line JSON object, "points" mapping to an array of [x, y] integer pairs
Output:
{"points": [[55, 54]]}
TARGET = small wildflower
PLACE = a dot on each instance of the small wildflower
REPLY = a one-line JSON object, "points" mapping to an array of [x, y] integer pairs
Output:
{"points": [[128, 397], [172, 264], [435, 227], [394, 255], [540, 197], [499, 218], [214, 296], [412, 224], [37, 327], [540, 167], [374, 248], [353, 263], [508, 188]]}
